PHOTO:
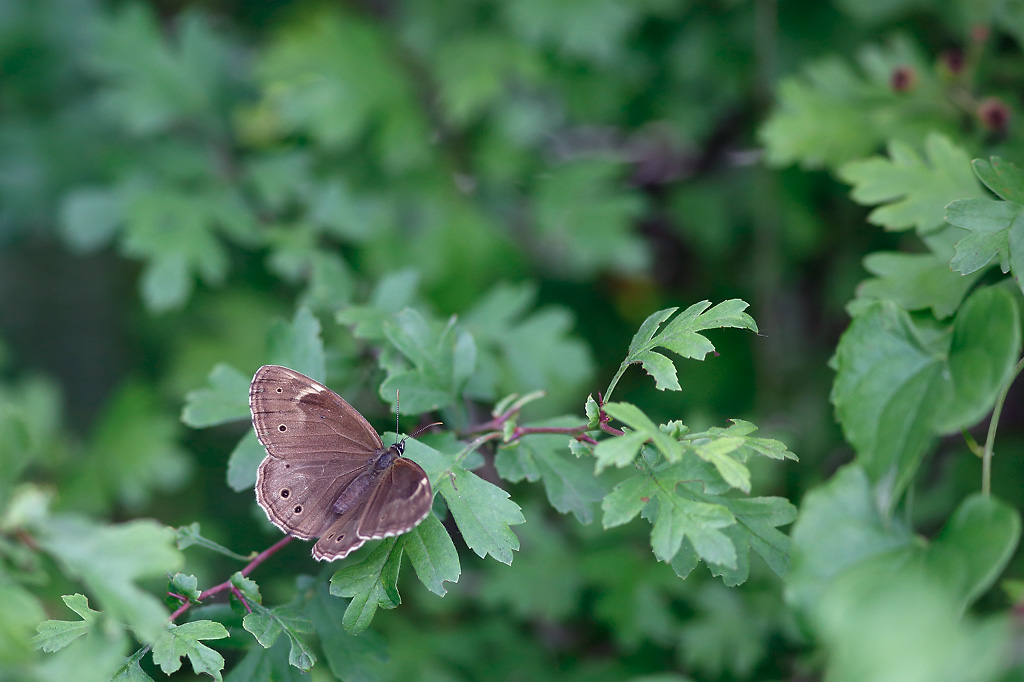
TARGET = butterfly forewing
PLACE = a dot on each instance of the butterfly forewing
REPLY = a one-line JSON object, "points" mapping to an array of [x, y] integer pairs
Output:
{"points": [[298, 418]]}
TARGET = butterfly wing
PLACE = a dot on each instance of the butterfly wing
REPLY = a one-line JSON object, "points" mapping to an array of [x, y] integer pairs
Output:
{"points": [[298, 418], [400, 499], [397, 501], [316, 445], [340, 537]]}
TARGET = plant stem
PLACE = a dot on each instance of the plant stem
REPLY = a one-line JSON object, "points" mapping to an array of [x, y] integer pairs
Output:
{"points": [[990, 438], [226, 585], [614, 381]]}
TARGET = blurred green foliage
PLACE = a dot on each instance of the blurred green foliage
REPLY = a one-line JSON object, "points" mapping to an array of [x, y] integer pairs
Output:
{"points": [[498, 209]]}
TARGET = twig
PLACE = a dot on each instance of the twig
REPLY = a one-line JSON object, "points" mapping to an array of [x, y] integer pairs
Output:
{"points": [[226, 585]]}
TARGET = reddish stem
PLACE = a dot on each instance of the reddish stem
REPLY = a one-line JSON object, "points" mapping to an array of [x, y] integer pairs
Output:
{"points": [[226, 585]]}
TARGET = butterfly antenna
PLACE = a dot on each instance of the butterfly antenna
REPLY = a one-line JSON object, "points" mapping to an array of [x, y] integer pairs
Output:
{"points": [[419, 430]]}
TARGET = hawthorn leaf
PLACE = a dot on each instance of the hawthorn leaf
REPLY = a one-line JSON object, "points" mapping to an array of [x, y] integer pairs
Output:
{"points": [[225, 399], [913, 189], [681, 336], [244, 462], [57, 634], [354, 658], [109, 559], [187, 640], [432, 554], [370, 583], [901, 381], [916, 281], [190, 535], [626, 500], [569, 482], [992, 225], [266, 625], [297, 345], [483, 512], [442, 360], [1002, 177]]}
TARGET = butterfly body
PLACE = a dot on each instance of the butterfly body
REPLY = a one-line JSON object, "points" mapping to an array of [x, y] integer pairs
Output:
{"points": [[327, 474]]}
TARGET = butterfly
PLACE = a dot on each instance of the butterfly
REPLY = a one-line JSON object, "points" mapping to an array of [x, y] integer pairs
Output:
{"points": [[327, 474]]}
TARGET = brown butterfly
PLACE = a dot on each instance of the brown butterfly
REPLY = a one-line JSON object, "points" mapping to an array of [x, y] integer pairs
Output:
{"points": [[327, 473]]}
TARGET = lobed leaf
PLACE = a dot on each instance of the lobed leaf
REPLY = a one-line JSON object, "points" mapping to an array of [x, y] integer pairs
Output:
{"points": [[225, 399], [54, 635], [483, 512], [110, 559], [186, 640], [266, 625], [370, 583], [913, 189]]}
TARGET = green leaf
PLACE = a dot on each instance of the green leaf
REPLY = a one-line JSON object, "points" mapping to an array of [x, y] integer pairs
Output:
{"points": [[96, 657], [585, 215], [298, 345], [266, 625], [433, 555], [876, 620], [916, 281], [626, 500], [698, 522], [645, 430], [186, 640], [371, 583], [244, 462], [57, 634], [726, 449], [189, 535], [442, 360], [109, 559], [354, 658], [840, 525], [185, 585], [173, 231], [247, 587], [914, 189], [834, 113], [1002, 177], [330, 74], [152, 84], [483, 512], [89, 218], [620, 451], [131, 671], [719, 453], [569, 482], [394, 292], [524, 350], [681, 337], [900, 382], [757, 519], [226, 399], [134, 451], [994, 226], [975, 545]]}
